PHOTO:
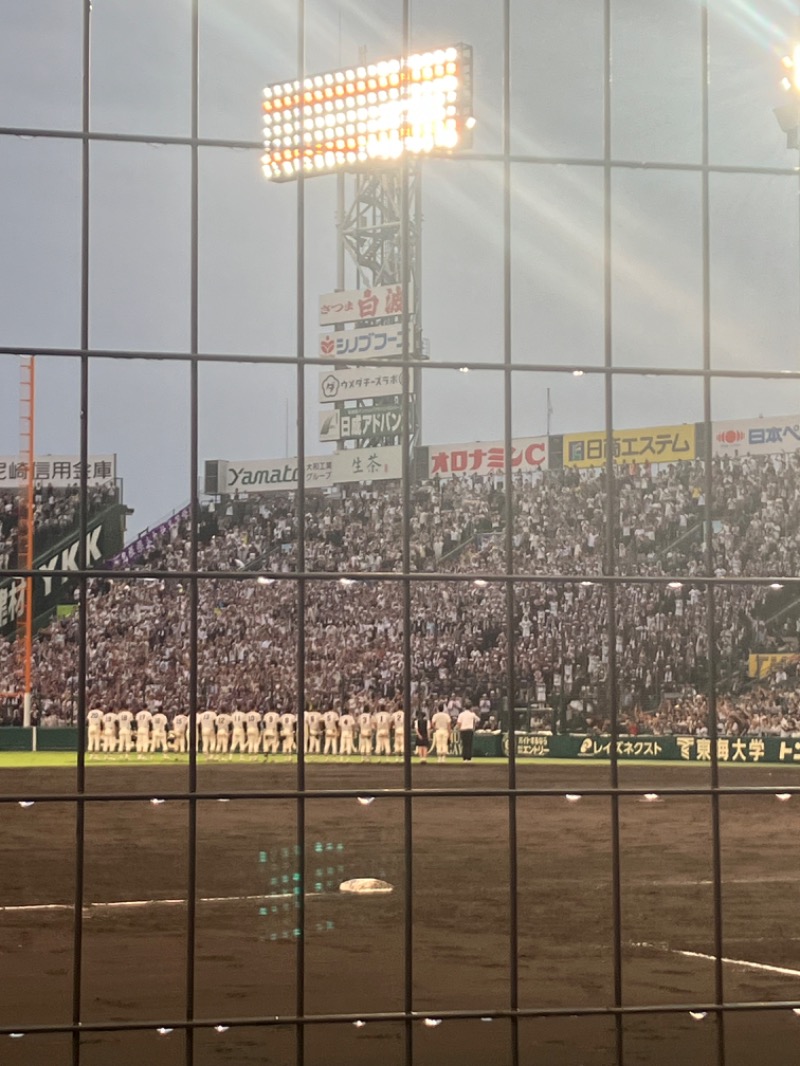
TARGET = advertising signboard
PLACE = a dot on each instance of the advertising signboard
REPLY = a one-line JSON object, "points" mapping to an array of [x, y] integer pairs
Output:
{"points": [[756, 436], [365, 342], [655, 444], [357, 423], [367, 464], [358, 305], [365, 384], [60, 471], [487, 457], [272, 475]]}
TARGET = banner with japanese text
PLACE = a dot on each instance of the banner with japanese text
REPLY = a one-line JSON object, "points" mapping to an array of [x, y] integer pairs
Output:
{"points": [[756, 436], [367, 464], [487, 457], [360, 305], [655, 444], [367, 342], [60, 471], [670, 748], [366, 384], [356, 423]]}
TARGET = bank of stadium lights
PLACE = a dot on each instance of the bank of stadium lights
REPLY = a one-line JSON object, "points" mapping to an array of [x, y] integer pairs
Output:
{"points": [[788, 115], [346, 119]]}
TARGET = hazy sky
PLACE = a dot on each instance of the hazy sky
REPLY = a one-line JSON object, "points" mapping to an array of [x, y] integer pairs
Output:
{"points": [[139, 259]]}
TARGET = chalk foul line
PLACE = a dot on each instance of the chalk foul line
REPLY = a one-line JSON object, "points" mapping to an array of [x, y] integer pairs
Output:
{"points": [[131, 903], [742, 964]]}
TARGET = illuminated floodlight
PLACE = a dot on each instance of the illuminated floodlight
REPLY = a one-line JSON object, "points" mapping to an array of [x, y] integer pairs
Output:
{"points": [[791, 64], [347, 119]]}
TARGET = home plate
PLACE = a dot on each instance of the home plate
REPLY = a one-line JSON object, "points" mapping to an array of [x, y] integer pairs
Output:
{"points": [[366, 886]]}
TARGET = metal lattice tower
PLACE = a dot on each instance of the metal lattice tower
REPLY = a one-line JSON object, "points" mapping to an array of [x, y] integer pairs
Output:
{"points": [[371, 234]]}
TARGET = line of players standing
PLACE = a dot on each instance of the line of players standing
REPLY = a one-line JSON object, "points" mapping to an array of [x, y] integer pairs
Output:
{"points": [[358, 730]]}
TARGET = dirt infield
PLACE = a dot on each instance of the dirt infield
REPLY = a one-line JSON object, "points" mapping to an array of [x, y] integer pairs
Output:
{"points": [[134, 962]]}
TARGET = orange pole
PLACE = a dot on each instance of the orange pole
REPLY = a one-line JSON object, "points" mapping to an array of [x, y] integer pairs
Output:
{"points": [[30, 546]]}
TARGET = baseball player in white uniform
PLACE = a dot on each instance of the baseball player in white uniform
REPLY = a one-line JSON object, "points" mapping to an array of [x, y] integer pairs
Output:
{"points": [[206, 721], [252, 721], [442, 724], [332, 724], [158, 738], [398, 725], [383, 722], [365, 733], [94, 725], [143, 720], [109, 732], [223, 728], [238, 737], [180, 727], [312, 730], [347, 725], [287, 720], [270, 740], [125, 741]]}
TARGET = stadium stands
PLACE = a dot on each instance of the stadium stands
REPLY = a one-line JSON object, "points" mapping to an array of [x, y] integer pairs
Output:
{"points": [[248, 635]]}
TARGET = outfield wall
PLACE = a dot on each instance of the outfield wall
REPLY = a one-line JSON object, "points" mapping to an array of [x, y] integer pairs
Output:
{"points": [[529, 745]]}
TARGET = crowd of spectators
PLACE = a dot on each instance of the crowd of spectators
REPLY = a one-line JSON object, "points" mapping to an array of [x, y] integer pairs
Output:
{"points": [[139, 649], [56, 513]]}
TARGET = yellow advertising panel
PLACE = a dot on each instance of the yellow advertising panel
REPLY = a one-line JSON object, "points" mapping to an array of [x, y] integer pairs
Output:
{"points": [[763, 665], [655, 444]]}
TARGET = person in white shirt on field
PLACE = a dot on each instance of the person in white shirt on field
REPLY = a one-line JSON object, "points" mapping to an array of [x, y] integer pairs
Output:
{"points": [[143, 720], [365, 726], [467, 722], [383, 722], [270, 739], [180, 727], [206, 720], [94, 725], [252, 721], [288, 719], [398, 725], [238, 737], [311, 728], [109, 732], [441, 724], [347, 725], [332, 724], [158, 738], [223, 728], [125, 740]]}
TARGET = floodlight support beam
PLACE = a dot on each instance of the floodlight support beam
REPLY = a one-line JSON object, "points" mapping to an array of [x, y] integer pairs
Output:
{"points": [[370, 231]]}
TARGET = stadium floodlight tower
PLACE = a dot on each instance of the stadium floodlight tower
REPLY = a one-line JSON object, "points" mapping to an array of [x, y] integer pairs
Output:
{"points": [[788, 115], [363, 124]]}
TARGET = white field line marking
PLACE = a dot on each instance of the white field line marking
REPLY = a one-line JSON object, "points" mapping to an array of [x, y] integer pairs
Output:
{"points": [[685, 883], [154, 902], [743, 964]]}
